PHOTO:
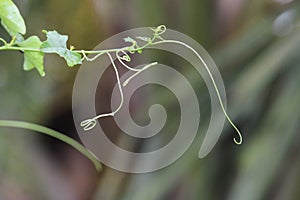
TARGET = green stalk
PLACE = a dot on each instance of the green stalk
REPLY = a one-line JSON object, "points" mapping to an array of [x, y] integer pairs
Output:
{"points": [[55, 134]]}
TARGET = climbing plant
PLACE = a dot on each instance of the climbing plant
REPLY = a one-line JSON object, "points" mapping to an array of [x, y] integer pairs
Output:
{"points": [[34, 50]]}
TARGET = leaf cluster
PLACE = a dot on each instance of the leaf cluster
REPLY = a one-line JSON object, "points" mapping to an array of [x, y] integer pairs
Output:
{"points": [[33, 48]]}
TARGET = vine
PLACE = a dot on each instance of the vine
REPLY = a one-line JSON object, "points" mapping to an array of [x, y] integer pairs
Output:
{"points": [[34, 51]]}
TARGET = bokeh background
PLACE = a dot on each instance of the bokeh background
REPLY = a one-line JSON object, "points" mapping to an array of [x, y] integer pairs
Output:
{"points": [[255, 44]]}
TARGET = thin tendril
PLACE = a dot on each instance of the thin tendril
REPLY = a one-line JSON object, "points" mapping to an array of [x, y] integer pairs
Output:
{"points": [[119, 85], [91, 123], [3, 41], [84, 56], [138, 72], [121, 58], [214, 84], [157, 32]]}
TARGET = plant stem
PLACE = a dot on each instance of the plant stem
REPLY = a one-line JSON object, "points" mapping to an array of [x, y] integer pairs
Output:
{"points": [[7, 47], [55, 134]]}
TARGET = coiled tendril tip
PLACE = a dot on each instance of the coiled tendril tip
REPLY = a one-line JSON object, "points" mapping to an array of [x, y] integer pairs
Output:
{"points": [[88, 124]]}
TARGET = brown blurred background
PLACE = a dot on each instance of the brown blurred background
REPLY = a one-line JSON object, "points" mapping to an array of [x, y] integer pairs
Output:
{"points": [[256, 46]]}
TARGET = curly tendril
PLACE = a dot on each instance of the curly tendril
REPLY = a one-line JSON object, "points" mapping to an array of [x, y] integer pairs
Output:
{"points": [[123, 56]]}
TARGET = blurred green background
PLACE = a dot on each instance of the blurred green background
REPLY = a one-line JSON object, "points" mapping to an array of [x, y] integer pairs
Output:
{"points": [[256, 46]]}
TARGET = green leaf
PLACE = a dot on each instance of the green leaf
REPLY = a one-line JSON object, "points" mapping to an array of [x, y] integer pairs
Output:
{"points": [[11, 18], [57, 43], [33, 59], [19, 38]]}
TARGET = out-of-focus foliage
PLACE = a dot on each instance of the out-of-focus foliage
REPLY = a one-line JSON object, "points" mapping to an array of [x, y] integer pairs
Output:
{"points": [[256, 46]]}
